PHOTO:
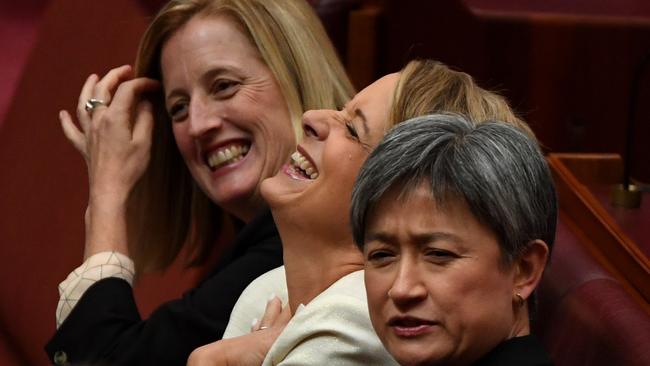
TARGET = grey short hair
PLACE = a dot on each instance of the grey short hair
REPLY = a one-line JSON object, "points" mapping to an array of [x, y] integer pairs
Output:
{"points": [[495, 168]]}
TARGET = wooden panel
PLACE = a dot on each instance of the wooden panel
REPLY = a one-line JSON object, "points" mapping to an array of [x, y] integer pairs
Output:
{"points": [[362, 45], [606, 239], [570, 76]]}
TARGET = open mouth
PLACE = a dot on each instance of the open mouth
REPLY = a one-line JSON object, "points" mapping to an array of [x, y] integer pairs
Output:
{"points": [[409, 322], [303, 166], [226, 155]]}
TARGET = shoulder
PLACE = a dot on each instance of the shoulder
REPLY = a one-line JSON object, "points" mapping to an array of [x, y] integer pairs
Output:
{"points": [[252, 302], [334, 328]]}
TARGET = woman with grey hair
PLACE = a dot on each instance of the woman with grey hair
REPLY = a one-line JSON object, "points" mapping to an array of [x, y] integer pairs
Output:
{"points": [[456, 221]]}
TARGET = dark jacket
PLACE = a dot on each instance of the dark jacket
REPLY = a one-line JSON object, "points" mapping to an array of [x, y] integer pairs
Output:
{"points": [[518, 351], [105, 327]]}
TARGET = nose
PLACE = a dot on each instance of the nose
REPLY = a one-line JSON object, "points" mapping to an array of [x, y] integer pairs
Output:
{"points": [[203, 117], [316, 123], [407, 288]]}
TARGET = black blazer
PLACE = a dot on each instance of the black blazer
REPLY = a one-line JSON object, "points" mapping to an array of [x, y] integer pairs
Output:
{"points": [[518, 351], [105, 327]]}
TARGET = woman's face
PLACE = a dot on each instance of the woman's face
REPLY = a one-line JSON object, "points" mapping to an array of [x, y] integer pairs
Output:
{"points": [[229, 117], [436, 293], [315, 187]]}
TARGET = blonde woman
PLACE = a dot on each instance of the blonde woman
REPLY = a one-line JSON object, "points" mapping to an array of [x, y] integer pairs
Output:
{"points": [[219, 88]]}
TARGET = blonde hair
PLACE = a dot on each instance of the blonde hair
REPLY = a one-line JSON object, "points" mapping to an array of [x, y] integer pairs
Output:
{"points": [[166, 208], [428, 86]]}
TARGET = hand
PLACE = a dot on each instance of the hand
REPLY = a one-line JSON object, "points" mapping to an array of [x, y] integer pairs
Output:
{"points": [[115, 141], [247, 350]]}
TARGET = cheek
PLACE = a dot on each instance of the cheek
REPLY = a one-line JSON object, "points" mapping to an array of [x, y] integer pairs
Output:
{"points": [[345, 162], [183, 140], [481, 307], [377, 286]]}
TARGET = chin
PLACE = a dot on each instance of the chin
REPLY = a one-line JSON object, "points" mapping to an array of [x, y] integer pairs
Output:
{"points": [[282, 191], [417, 353]]}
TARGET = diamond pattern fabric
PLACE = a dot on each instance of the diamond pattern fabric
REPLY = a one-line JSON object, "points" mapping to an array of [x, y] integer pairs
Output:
{"points": [[98, 266]]}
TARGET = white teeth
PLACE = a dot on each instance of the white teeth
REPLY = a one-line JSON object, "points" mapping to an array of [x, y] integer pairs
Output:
{"points": [[227, 155], [303, 164]]}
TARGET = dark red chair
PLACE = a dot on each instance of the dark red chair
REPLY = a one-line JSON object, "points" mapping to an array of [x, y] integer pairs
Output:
{"points": [[585, 315]]}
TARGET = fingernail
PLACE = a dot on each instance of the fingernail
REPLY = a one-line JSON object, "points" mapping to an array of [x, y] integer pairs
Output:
{"points": [[271, 297], [254, 322]]}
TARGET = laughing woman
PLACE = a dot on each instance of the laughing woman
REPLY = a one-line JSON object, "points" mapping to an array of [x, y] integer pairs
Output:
{"points": [[310, 201], [214, 109]]}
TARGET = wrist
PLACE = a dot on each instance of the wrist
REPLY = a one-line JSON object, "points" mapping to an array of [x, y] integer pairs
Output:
{"points": [[106, 228]]}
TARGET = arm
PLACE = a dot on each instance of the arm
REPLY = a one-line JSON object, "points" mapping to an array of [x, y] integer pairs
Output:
{"points": [[106, 326], [115, 140]]}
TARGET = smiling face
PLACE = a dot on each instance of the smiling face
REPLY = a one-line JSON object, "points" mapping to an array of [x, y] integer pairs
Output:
{"points": [[229, 117], [436, 293], [313, 189]]}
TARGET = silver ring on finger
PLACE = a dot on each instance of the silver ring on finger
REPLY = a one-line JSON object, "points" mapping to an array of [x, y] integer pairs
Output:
{"points": [[93, 103], [263, 327]]}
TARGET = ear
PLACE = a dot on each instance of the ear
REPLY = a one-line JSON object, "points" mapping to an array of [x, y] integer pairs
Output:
{"points": [[529, 267]]}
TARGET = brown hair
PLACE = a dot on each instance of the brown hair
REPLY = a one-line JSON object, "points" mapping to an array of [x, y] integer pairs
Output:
{"points": [[428, 86], [167, 209]]}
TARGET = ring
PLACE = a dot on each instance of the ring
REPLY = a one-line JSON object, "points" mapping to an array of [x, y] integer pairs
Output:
{"points": [[93, 103], [263, 327]]}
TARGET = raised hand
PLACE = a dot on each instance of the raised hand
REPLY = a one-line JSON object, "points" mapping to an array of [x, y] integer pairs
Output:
{"points": [[115, 141]]}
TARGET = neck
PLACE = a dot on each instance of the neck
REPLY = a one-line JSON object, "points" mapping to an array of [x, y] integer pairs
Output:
{"points": [[521, 325], [313, 262]]}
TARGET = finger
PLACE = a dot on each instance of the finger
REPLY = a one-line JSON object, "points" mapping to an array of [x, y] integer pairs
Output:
{"points": [[143, 123], [129, 93], [273, 309], [284, 316], [86, 93], [105, 88], [255, 325], [72, 133]]}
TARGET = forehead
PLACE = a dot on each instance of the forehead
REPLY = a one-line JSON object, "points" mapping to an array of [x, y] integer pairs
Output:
{"points": [[405, 201], [375, 102], [379, 92], [214, 37]]}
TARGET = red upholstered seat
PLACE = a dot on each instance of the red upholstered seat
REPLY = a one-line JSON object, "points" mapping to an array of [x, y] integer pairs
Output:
{"points": [[585, 315]]}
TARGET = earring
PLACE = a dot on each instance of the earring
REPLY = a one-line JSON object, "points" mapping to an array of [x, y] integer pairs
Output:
{"points": [[519, 300]]}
